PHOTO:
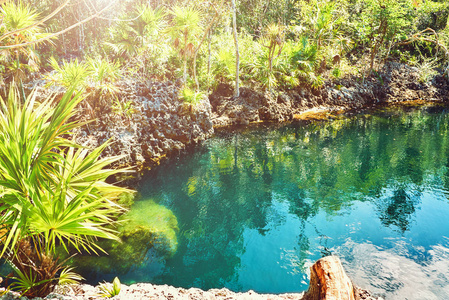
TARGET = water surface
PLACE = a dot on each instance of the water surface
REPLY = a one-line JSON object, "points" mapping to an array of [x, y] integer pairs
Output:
{"points": [[253, 209]]}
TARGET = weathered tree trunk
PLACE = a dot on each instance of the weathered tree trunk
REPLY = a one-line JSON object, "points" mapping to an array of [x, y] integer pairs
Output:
{"points": [[237, 54], [329, 281]]}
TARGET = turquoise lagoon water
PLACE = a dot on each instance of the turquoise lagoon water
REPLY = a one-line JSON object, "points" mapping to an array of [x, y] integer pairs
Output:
{"points": [[253, 209]]}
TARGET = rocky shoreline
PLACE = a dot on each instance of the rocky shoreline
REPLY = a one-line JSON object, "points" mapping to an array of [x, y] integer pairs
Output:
{"points": [[142, 291], [328, 281], [150, 291], [158, 123]]}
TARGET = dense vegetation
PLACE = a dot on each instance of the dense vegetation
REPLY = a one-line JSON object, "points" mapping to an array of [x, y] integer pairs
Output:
{"points": [[282, 44], [54, 193]]}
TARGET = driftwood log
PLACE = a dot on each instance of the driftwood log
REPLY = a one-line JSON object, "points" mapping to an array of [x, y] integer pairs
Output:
{"points": [[328, 281]]}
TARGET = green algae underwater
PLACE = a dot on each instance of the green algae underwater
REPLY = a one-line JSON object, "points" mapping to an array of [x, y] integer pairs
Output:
{"points": [[253, 208]]}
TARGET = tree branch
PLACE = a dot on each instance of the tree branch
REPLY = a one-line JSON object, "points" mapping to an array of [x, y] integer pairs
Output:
{"points": [[62, 31], [419, 37], [37, 23]]}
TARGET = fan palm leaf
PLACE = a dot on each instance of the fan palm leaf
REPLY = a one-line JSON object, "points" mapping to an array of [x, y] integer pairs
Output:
{"points": [[51, 187]]}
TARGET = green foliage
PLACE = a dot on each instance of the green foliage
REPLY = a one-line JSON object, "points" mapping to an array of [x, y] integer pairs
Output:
{"points": [[191, 96], [185, 21], [184, 30], [37, 273], [336, 72], [275, 38], [142, 44], [382, 23], [322, 20], [69, 74], [103, 70], [123, 108], [154, 20], [108, 290], [104, 74], [17, 15], [68, 277], [254, 62], [430, 14], [17, 62], [223, 64], [161, 42], [124, 42], [427, 70], [223, 56], [131, 38], [254, 15], [54, 192], [306, 59]]}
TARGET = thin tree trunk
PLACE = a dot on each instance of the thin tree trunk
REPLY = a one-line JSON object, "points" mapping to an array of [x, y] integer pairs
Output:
{"points": [[198, 48], [271, 51], [208, 61], [382, 30], [206, 33], [237, 54], [184, 78]]}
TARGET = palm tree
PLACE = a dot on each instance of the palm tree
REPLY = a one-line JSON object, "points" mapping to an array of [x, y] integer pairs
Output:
{"points": [[125, 40], [184, 30], [153, 20], [274, 35], [53, 191]]}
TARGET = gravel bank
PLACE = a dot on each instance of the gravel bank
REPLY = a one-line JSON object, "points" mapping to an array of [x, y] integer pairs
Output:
{"points": [[142, 291], [150, 291]]}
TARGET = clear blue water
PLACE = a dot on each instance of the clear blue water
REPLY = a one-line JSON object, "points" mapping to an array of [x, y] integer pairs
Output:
{"points": [[253, 209]]}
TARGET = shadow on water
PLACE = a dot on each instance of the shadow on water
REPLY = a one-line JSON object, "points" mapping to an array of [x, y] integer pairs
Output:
{"points": [[257, 207]]}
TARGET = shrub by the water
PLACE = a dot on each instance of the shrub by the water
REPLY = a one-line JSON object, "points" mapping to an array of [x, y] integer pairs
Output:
{"points": [[54, 192]]}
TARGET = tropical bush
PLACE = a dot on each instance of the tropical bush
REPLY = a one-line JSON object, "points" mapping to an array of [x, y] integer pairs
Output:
{"points": [[71, 73], [103, 74], [100, 73], [17, 62], [53, 192], [191, 96]]}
